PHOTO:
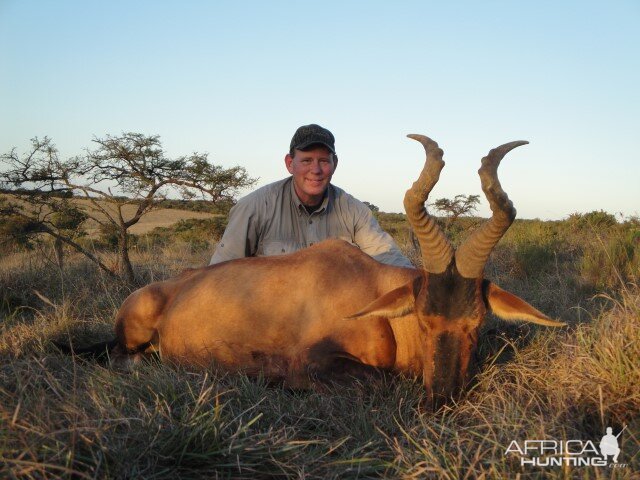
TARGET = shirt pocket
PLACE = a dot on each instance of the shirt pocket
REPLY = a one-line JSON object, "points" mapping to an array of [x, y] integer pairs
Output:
{"points": [[277, 247]]}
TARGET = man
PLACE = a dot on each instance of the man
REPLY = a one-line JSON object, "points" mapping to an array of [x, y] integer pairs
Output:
{"points": [[609, 445], [304, 209]]}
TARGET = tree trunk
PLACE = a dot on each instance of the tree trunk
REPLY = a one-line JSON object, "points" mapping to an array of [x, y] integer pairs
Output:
{"points": [[59, 250], [126, 269]]}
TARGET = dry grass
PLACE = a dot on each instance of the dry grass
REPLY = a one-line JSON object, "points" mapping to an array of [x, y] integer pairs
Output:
{"points": [[65, 418]]}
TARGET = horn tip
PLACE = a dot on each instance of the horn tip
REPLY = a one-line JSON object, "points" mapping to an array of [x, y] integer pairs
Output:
{"points": [[518, 143], [427, 142]]}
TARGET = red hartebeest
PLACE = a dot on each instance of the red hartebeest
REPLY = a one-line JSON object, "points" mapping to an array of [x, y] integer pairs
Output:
{"points": [[290, 315]]}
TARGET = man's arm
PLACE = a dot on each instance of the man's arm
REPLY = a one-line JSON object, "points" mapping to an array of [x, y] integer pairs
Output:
{"points": [[375, 242], [240, 238]]}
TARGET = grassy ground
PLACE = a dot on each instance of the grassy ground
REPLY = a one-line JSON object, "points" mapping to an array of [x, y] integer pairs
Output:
{"points": [[61, 417]]}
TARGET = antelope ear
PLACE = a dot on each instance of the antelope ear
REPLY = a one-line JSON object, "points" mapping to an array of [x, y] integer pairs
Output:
{"points": [[508, 306], [395, 303]]}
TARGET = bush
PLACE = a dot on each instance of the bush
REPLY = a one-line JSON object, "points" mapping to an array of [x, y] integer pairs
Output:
{"points": [[197, 232], [221, 206], [109, 235], [69, 218], [597, 219], [616, 261], [534, 258]]}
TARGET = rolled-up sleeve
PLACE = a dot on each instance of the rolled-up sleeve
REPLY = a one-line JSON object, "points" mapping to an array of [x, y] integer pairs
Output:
{"points": [[240, 238], [375, 242]]}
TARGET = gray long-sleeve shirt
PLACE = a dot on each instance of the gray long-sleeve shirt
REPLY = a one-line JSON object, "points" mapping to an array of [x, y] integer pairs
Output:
{"points": [[273, 221]]}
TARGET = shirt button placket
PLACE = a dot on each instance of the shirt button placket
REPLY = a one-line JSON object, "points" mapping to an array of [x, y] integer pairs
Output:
{"points": [[311, 231]]}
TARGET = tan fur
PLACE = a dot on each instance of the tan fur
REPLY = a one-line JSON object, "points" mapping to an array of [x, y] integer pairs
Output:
{"points": [[273, 314]]}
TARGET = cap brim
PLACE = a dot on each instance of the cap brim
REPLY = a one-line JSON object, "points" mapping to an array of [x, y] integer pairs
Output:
{"points": [[314, 142]]}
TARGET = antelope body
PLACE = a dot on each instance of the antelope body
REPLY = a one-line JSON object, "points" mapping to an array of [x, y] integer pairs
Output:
{"points": [[330, 305]]}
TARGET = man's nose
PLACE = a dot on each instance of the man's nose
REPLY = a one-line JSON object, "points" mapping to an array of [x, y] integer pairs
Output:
{"points": [[315, 168]]}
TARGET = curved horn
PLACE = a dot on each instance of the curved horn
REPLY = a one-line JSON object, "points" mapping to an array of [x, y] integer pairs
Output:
{"points": [[472, 256], [436, 249]]}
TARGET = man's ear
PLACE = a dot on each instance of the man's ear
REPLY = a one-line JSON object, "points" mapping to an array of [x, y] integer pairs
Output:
{"points": [[508, 306], [335, 163], [396, 303], [288, 160]]}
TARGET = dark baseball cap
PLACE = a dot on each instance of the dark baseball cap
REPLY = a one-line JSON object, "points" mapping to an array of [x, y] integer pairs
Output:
{"points": [[312, 134]]}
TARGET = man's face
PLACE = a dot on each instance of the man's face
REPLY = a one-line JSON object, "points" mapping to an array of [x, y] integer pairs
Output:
{"points": [[312, 171]]}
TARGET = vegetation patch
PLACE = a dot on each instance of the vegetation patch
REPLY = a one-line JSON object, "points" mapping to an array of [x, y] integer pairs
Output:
{"points": [[62, 417]]}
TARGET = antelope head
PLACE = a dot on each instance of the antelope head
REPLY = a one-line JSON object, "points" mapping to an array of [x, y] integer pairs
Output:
{"points": [[451, 297]]}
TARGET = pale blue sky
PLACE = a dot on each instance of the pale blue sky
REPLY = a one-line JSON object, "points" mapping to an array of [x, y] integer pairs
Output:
{"points": [[236, 79]]}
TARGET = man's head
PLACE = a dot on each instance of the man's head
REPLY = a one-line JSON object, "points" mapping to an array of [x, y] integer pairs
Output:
{"points": [[309, 135], [311, 160]]}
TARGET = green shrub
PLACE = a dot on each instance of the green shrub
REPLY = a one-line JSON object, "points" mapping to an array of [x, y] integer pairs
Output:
{"points": [[612, 261], [109, 235], [69, 218], [200, 232], [16, 231], [598, 219], [197, 232], [535, 258], [395, 224]]}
